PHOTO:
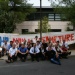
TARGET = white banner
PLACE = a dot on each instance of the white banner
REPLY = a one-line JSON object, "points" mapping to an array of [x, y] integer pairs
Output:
{"points": [[54, 36]]}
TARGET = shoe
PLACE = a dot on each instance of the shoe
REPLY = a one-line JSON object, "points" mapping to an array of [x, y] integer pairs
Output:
{"points": [[65, 57], [37, 60], [59, 64], [69, 53], [7, 61], [23, 60], [32, 60], [12, 61]]}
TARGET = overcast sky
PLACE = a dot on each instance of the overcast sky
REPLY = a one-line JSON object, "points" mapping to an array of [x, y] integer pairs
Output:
{"points": [[37, 2]]}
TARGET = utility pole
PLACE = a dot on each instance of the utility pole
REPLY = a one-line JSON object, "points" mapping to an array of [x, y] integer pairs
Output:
{"points": [[41, 20]]}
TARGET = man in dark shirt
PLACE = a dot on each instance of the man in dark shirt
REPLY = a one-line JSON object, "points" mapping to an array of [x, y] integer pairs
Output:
{"points": [[53, 55], [44, 44], [22, 52]]}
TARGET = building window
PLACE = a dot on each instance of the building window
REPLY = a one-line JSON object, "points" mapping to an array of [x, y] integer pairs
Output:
{"points": [[54, 30], [24, 31], [54, 17], [51, 17], [57, 17], [37, 30]]}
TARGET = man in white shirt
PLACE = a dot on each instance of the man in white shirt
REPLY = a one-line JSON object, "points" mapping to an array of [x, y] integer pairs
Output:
{"points": [[4, 47], [65, 44], [34, 52], [12, 54]]}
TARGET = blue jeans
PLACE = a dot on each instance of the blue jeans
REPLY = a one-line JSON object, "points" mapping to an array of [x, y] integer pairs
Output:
{"points": [[55, 60]]}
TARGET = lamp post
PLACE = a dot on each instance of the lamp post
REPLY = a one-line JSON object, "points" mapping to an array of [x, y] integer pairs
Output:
{"points": [[40, 20]]}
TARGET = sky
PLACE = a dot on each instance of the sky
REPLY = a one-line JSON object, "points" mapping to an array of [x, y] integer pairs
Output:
{"points": [[37, 2]]}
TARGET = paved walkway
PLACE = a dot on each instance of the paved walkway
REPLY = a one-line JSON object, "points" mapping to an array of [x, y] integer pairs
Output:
{"points": [[72, 54], [67, 67]]}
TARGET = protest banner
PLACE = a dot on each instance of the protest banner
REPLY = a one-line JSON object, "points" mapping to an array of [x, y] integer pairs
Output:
{"points": [[54, 36]]}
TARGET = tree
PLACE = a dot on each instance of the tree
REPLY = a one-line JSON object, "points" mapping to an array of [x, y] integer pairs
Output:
{"points": [[12, 12], [67, 9], [45, 25]]}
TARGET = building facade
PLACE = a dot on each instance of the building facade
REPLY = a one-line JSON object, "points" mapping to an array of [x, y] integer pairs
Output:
{"points": [[54, 19]]}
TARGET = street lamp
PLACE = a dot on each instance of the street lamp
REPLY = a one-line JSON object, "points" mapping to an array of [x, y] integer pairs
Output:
{"points": [[40, 20]]}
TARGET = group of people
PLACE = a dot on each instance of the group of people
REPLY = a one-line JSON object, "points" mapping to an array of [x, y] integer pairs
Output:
{"points": [[37, 50]]}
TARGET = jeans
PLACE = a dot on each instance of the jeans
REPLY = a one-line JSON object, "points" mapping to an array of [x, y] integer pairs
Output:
{"points": [[55, 60]]}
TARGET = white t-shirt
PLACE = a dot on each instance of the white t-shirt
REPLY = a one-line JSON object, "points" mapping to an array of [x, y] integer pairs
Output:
{"points": [[12, 51], [66, 45], [5, 46]]}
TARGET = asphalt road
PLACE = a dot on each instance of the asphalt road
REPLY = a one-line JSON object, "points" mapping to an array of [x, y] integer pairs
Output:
{"points": [[38, 68]]}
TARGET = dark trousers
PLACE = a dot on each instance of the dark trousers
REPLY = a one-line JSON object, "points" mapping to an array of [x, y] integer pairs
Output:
{"points": [[42, 56], [50, 54], [64, 55], [22, 56], [3, 51], [36, 56], [0, 54], [13, 58]]}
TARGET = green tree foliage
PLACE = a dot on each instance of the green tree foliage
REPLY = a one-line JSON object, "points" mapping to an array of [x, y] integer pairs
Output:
{"points": [[12, 12], [45, 25], [67, 8]]}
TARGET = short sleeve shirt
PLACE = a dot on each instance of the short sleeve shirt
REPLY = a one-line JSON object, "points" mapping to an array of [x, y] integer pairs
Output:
{"points": [[23, 50]]}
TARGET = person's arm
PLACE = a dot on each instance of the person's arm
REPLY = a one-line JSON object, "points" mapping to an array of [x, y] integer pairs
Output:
{"points": [[10, 52], [37, 51], [26, 51], [46, 48], [16, 52], [57, 55], [31, 50], [67, 46], [19, 51], [61, 49]]}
